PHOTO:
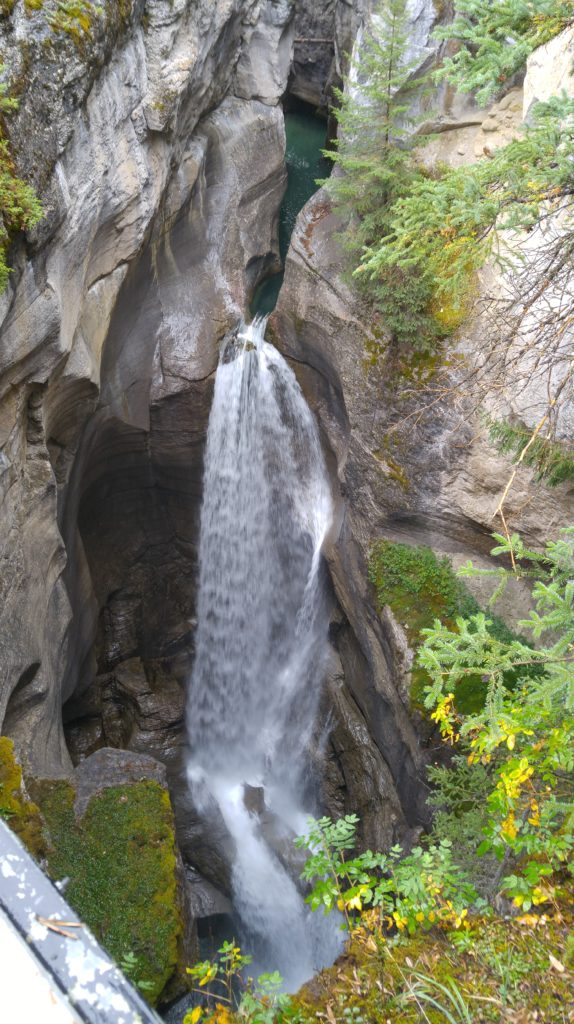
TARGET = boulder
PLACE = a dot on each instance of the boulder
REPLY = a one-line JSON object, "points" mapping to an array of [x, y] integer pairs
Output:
{"points": [[111, 842], [108, 768]]}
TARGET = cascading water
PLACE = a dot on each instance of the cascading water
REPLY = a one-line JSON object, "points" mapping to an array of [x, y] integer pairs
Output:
{"points": [[261, 639]]}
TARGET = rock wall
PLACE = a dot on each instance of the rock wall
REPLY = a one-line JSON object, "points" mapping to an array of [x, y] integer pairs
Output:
{"points": [[410, 456], [159, 224], [327, 30]]}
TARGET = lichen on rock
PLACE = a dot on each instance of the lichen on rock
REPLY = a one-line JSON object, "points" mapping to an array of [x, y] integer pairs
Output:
{"points": [[16, 807]]}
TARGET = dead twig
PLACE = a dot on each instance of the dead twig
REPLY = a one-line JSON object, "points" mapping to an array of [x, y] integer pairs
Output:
{"points": [[60, 926]]}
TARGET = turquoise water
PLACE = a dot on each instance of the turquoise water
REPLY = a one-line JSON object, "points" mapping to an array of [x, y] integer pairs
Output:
{"points": [[306, 137]]}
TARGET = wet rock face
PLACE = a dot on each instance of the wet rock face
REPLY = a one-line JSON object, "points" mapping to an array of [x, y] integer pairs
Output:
{"points": [[159, 225], [139, 706], [257, 75]]}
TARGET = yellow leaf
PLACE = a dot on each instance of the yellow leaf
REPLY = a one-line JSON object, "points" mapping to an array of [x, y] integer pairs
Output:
{"points": [[211, 974], [510, 741], [509, 829], [355, 903], [193, 1017], [529, 920]]}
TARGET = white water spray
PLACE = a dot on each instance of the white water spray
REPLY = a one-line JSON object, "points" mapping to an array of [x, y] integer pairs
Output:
{"points": [[261, 637]]}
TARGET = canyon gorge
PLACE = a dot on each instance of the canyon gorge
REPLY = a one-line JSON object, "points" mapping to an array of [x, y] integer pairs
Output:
{"points": [[157, 147]]}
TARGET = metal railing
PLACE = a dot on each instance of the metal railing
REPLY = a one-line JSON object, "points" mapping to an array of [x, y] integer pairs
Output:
{"points": [[52, 968]]}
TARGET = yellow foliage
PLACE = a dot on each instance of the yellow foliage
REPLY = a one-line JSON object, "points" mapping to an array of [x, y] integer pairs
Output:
{"points": [[193, 1016], [509, 829], [444, 715], [355, 903], [534, 818]]}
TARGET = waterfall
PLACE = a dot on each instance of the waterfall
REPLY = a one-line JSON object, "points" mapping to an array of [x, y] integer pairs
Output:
{"points": [[261, 639]]}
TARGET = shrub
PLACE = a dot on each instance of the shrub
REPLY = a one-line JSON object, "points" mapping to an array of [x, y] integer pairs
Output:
{"points": [[527, 735], [407, 892]]}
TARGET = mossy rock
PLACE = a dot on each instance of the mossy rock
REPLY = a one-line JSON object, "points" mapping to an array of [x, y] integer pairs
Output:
{"points": [[120, 858], [19, 812], [420, 587]]}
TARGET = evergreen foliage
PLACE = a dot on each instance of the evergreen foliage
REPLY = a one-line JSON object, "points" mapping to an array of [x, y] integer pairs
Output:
{"points": [[419, 587], [458, 796], [447, 226], [375, 166], [416, 237], [553, 461], [496, 39]]}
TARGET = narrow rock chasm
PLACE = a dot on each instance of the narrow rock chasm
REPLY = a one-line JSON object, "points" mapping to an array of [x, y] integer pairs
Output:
{"points": [[137, 489]]}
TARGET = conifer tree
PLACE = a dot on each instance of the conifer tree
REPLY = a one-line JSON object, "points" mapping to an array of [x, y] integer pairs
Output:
{"points": [[373, 120], [496, 39], [374, 164]]}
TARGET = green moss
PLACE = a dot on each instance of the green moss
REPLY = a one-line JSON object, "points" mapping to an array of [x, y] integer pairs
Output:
{"points": [[6, 8], [418, 587], [419, 368], [16, 808], [120, 858], [376, 348], [393, 469]]}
